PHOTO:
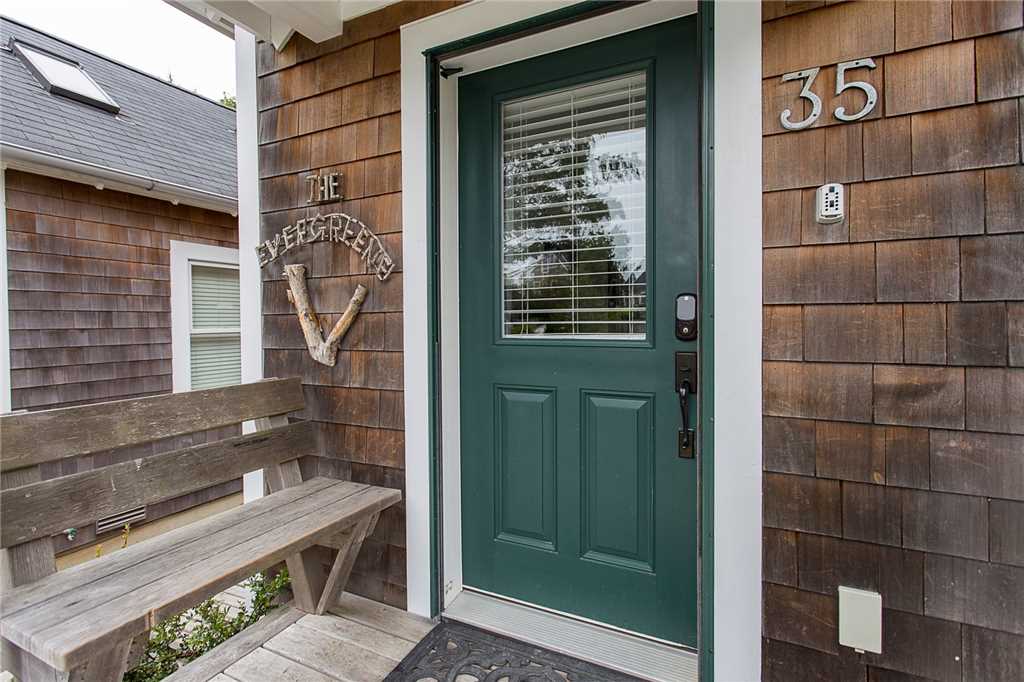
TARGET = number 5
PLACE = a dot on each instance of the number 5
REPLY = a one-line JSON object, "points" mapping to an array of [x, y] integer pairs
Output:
{"points": [[868, 89]]}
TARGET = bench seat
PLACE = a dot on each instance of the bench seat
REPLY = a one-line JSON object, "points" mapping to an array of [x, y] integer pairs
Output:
{"points": [[67, 618]]}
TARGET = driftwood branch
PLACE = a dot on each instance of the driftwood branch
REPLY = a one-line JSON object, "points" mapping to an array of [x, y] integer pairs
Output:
{"points": [[324, 351]]}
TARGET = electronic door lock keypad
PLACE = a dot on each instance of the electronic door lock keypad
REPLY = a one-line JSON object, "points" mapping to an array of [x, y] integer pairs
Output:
{"points": [[686, 317]]}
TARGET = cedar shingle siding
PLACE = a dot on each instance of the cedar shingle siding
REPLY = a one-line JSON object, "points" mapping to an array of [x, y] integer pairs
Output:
{"points": [[893, 343], [332, 107], [90, 295]]}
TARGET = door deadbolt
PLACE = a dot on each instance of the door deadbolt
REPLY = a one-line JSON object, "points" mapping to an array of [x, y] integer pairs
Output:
{"points": [[686, 317]]}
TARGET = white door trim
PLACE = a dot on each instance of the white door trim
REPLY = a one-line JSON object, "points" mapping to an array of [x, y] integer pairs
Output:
{"points": [[737, 154], [737, 311]]}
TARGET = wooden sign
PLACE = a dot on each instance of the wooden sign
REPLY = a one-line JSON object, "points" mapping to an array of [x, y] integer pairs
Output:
{"points": [[337, 228]]}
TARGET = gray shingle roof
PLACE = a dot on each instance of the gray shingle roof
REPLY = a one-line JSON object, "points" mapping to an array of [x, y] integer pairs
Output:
{"points": [[161, 131]]}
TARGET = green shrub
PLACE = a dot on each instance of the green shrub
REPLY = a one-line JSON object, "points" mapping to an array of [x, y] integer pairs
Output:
{"points": [[189, 635]]}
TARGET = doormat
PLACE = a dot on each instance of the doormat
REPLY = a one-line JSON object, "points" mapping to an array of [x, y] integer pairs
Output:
{"points": [[454, 652]]}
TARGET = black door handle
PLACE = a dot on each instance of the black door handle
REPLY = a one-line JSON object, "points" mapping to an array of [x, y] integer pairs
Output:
{"points": [[684, 433], [686, 387]]}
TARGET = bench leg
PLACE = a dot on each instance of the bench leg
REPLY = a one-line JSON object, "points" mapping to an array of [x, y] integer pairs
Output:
{"points": [[108, 666], [348, 550], [137, 649], [26, 667], [305, 568], [308, 576]]}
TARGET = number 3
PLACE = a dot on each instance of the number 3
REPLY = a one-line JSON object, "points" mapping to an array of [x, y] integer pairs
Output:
{"points": [[808, 76]]}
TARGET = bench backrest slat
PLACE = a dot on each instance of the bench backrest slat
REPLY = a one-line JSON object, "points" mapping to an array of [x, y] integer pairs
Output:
{"points": [[48, 507], [33, 438]]}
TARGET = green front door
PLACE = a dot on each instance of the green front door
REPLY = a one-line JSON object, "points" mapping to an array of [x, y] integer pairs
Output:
{"points": [[578, 226]]}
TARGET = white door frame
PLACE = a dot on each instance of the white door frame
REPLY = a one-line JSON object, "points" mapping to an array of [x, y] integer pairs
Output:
{"points": [[737, 286]]}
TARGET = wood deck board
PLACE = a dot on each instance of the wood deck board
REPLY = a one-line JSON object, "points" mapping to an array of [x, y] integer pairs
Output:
{"points": [[330, 655], [262, 665], [314, 648], [361, 635], [235, 648], [382, 617]]}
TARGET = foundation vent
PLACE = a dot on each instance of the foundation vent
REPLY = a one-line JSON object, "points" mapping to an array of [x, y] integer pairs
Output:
{"points": [[118, 521]]}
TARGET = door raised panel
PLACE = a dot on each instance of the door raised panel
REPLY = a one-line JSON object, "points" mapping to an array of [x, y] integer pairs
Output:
{"points": [[617, 479], [525, 466]]}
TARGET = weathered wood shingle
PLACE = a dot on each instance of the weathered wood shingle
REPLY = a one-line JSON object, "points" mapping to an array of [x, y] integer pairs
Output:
{"points": [[977, 17], [802, 503], [918, 270], [871, 513], [977, 334], [976, 136], [974, 592], [801, 617], [788, 445], [818, 390], [919, 396], [843, 273], [930, 78], [945, 524], [902, 634]]}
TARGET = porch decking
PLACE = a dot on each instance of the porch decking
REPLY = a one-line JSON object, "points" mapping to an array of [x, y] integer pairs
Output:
{"points": [[358, 641]]}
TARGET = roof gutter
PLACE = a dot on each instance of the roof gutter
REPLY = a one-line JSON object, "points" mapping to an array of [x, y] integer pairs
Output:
{"points": [[104, 177]]}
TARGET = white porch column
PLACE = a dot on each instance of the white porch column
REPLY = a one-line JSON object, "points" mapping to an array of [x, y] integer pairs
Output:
{"points": [[248, 226]]}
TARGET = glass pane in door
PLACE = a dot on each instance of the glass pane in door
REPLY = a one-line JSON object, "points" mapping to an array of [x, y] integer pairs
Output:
{"points": [[574, 211]]}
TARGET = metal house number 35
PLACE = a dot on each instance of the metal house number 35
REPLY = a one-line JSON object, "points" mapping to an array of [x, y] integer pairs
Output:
{"points": [[808, 76]]}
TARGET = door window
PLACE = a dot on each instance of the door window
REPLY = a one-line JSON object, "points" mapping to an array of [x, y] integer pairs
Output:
{"points": [[574, 211]]}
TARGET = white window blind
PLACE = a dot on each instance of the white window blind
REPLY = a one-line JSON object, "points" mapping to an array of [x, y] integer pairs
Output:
{"points": [[215, 342], [574, 211]]}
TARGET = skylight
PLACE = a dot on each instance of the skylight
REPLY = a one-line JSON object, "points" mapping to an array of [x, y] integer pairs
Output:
{"points": [[64, 77]]}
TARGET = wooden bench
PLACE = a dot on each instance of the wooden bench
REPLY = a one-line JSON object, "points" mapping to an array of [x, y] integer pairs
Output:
{"points": [[88, 622]]}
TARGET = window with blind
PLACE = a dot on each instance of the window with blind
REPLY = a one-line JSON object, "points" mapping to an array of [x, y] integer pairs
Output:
{"points": [[214, 338], [574, 211]]}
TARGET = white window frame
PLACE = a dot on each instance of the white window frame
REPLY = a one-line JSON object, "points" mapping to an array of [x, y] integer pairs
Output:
{"points": [[183, 256]]}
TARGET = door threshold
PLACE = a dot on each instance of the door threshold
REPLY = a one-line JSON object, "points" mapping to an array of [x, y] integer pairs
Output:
{"points": [[588, 642]]}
